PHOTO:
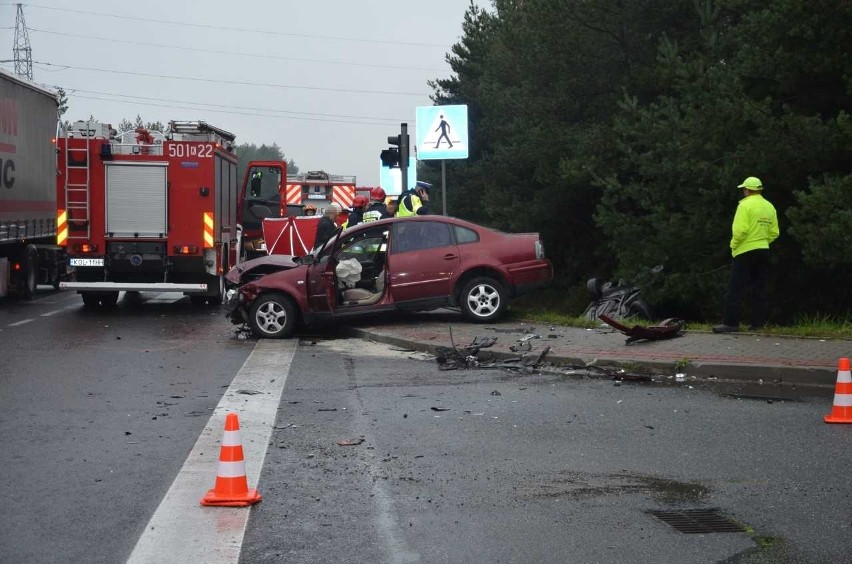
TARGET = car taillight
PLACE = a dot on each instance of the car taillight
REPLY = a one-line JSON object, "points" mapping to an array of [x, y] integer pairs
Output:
{"points": [[539, 249]]}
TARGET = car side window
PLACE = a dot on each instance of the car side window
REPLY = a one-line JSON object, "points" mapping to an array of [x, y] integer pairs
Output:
{"points": [[465, 235], [363, 245], [420, 235]]}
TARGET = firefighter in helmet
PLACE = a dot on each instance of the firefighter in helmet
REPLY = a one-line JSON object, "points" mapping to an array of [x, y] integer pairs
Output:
{"points": [[414, 201], [359, 205], [377, 208], [310, 209]]}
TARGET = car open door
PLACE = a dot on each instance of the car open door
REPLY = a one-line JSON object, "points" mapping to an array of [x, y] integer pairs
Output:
{"points": [[322, 295]]}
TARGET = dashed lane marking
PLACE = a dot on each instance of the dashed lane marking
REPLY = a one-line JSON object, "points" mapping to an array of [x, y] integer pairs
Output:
{"points": [[21, 322], [181, 530], [49, 313]]}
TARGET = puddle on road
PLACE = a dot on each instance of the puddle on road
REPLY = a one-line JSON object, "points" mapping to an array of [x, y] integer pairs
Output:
{"points": [[579, 485]]}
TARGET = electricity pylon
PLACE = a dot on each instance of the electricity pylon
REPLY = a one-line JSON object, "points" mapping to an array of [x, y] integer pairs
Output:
{"points": [[22, 51]]}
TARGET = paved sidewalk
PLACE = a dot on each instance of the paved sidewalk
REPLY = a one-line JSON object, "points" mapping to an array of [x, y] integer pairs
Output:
{"points": [[741, 356]]}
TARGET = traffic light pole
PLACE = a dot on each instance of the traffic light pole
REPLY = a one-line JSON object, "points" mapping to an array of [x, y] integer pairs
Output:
{"points": [[403, 155]]}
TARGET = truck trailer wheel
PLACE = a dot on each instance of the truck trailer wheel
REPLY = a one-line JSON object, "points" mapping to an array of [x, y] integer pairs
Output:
{"points": [[90, 300], [28, 282], [109, 299]]}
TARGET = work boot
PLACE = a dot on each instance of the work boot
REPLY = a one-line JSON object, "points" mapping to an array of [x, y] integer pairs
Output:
{"points": [[725, 328]]}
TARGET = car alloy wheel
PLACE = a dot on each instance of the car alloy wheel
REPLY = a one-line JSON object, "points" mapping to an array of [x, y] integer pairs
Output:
{"points": [[273, 316], [483, 299]]}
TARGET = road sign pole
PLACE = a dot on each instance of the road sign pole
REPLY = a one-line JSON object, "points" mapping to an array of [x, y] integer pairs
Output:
{"points": [[444, 186]]}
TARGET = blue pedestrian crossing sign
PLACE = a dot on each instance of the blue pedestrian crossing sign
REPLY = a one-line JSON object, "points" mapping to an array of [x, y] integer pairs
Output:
{"points": [[442, 132]]}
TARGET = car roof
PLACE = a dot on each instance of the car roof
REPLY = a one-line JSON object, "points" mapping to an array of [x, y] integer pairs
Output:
{"points": [[444, 218]]}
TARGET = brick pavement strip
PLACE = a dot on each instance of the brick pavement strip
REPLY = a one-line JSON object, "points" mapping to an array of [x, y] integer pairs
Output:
{"points": [[790, 360]]}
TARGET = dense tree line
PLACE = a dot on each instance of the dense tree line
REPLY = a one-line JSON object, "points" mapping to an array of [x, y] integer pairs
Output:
{"points": [[620, 130]]}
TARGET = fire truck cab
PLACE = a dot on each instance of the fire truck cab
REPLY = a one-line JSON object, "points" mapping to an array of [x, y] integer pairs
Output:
{"points": [[269, 192], [147, 211]]}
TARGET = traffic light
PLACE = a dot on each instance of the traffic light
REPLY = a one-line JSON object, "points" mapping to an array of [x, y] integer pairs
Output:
{"points": [[400, 141], [397, 154], [390, 157]]}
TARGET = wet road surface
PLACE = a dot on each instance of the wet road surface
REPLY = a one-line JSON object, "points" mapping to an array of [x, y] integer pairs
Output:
{"points": [[488, 466], [101, 408]]}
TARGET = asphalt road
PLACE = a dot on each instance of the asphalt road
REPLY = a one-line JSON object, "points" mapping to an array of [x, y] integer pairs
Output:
{"points": [[514, 468], [100, 410]]}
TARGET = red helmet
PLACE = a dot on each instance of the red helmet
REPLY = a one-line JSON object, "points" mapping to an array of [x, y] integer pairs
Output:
{"points": [[360, 202], [377, 193]]}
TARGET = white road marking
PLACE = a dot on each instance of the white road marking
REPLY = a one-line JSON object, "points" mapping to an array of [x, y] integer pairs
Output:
{"points": [[22, 322], [49, 313], [181, 530]]}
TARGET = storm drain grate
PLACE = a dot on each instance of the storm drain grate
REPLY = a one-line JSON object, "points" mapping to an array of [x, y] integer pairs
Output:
{"points": [[698, 521]]}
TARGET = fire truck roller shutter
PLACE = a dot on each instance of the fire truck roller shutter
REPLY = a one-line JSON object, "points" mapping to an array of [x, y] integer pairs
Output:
{"points": [[137, 199]]}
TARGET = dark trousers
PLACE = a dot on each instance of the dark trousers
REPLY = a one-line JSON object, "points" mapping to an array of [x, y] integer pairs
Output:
{"points": [[748, 276]]}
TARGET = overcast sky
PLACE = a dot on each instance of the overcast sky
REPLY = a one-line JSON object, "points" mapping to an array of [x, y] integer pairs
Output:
{"points": [[338, 76]]}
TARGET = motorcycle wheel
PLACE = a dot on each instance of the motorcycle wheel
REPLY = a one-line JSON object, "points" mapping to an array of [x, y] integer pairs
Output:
{"points": [[641, 308]]}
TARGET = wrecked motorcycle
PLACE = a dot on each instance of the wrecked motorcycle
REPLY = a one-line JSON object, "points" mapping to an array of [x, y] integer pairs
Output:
{"points": [[619, 300]]}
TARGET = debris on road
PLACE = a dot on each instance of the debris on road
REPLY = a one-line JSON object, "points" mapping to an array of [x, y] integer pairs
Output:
{"points": [[350, 442], [666, 329], [440, 408], [453, 358], [249, 392]]}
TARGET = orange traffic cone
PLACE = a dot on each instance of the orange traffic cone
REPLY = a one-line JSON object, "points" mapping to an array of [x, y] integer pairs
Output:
{"points": [[842, 411], [231, 484]]}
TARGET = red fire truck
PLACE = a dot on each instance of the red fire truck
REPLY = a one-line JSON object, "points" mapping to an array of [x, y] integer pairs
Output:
{"points": [[265, 196], [142, 211]]}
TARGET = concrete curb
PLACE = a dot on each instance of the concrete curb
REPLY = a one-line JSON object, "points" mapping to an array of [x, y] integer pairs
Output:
{"points": [[704, 370]]}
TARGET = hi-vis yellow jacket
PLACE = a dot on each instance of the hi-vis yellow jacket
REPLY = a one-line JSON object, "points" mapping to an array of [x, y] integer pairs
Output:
{"points": [[755, 225]]}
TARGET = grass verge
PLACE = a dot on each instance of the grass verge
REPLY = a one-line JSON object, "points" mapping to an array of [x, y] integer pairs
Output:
{"points": [[560, 308]]}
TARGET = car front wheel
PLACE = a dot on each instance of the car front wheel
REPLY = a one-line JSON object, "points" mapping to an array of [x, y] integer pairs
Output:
{"points": [[273, 316], [483, 299]]}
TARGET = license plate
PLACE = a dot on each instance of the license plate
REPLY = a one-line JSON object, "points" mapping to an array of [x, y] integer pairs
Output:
{"points": [[87, 262]]}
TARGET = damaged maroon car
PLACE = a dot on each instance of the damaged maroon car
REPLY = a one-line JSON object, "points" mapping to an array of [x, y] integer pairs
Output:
{"points": [[411, 264]]}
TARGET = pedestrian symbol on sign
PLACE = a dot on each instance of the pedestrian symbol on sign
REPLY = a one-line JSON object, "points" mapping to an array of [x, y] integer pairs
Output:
{"points": [[444, 127]]}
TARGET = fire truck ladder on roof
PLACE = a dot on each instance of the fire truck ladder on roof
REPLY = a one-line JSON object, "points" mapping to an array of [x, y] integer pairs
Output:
{"points": [[77, 193]]}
